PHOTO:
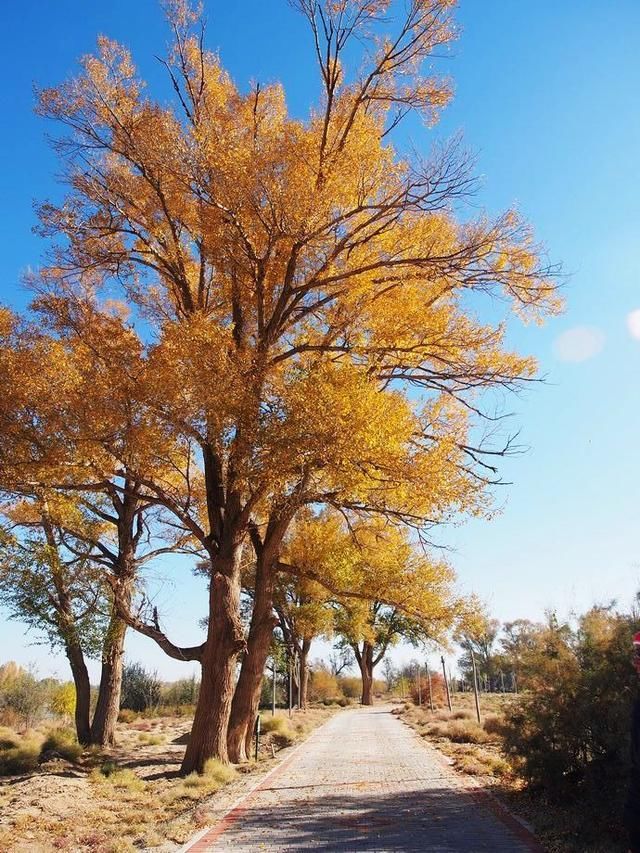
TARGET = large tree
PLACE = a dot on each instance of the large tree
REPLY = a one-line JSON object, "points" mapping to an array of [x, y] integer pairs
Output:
{"points": [[256, 251]]}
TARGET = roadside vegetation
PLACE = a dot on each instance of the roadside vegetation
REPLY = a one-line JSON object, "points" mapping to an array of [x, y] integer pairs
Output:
{"points": [[58, 795], [556, 752]]}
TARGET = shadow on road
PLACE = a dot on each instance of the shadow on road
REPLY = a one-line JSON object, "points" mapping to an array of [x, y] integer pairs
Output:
{"points": [[441, 820]]}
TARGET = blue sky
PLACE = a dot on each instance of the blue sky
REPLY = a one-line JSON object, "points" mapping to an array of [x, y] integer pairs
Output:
{"points": [[547, 96]]}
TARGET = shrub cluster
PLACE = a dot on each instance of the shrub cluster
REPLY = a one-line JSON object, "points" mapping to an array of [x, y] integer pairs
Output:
{"points": [[569, 737]]}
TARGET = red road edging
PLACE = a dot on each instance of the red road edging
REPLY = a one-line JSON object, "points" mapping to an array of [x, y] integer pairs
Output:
{"points": [[514, 824]]}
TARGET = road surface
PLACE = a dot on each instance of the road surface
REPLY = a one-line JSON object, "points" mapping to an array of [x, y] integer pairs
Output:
{"points": [[364, 781]]}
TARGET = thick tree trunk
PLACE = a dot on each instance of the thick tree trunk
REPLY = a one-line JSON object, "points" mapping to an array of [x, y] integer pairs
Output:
{"points": [[304, 671], [83, 692], [224, 642], [246, 698], [105, 716], [365, 661]]}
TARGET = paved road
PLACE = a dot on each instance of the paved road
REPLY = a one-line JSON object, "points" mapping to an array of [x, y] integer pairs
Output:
{"points": [[364, 781]]}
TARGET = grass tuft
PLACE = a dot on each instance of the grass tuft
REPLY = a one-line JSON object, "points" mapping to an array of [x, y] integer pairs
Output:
{"points": [[61, 742], [18, 755], [459, 731], [120, 777]]}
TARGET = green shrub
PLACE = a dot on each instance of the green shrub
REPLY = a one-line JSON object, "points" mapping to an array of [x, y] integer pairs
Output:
{"points": [[182, 692], [140, 689], [569, 738], [25, 696]]}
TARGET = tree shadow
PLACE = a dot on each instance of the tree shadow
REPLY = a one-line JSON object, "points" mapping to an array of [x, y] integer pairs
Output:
{"points": [[439, 819]]}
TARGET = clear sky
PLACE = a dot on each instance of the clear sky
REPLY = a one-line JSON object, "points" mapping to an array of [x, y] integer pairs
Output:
{"points": [[547, 95]]}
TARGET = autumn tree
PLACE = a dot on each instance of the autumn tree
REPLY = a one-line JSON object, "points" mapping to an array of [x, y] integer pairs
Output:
{"points": [[380, 585], [256, 251], [72, 442], [303, 614]]}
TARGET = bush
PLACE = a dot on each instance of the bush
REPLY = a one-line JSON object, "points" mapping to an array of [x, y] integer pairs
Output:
{"points": [[17, 755], [127, 716], [460, 731], [218, 772], [323, 686], [280, 730], [182, 692], [350, 685], [437, 687], [569, 740], [63, 700], [8, 738], [274, 724], [25, 696], [140, 689], [493, 724], [62, 743]]}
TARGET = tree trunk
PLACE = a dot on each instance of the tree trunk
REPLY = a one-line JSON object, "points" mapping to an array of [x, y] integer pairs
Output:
{"points": [[105, 717], [304, 671], [224, 642], [246, 698], [366, 669], [83, 692]]}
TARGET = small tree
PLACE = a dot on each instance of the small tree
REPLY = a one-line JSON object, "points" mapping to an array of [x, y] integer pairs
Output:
{"points": [[140, 688], [63, 700], [25, 695]]}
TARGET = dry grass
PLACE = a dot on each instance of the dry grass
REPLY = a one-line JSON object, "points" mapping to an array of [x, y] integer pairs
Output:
{"points": [[150, 740], [459, 731], [474, 748], [123, 799]]}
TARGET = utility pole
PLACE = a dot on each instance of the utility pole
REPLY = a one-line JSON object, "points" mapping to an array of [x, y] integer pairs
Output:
{"points": [[475, 686], [419, 687], [430, 690], [446, 683]]}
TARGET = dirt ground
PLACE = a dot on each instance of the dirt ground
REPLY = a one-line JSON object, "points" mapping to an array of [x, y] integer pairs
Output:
{"points": [[130, 797]]}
